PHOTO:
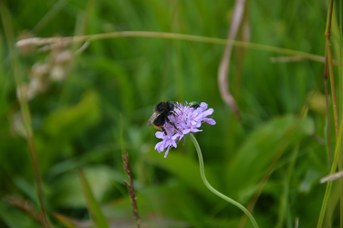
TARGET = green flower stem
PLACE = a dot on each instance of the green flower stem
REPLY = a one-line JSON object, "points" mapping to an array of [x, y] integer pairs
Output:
{"points": [[216, 192]]}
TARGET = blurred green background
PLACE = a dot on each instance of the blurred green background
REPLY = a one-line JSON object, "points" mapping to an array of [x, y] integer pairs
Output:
{"points": [[89, 104]]}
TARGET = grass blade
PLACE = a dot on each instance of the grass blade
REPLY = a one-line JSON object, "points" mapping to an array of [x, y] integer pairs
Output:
{"points": [[93, 206]]}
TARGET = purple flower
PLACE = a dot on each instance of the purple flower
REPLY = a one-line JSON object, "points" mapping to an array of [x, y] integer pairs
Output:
{"points": [[183, 120]]}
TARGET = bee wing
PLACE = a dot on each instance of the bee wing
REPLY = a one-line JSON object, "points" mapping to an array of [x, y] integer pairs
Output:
{"points": [[152, 118]]}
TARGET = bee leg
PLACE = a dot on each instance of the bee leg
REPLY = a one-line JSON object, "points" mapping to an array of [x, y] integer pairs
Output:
{"points": [[171, 123], [164, 130]]}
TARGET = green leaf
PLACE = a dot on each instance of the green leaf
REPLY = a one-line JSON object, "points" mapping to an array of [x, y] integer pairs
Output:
{"points": [[261, 149], [66, 189], [14, 218], [161, 202], [68, 122], [186, 169], [67, 222], [93, 206]]}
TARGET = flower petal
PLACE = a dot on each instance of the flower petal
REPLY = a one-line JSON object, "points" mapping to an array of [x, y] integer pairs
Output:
{"points": [[184, 120]]}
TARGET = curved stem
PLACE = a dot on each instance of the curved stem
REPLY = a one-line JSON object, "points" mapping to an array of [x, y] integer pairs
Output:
{"points": [[166, 35], [216, 192]]}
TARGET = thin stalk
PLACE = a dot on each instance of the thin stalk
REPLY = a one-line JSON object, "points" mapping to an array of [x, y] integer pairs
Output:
{"points": [[329, 70], [216, 192], [25, 111], [329, 184], [328, 63], [327, 112], [165, 35], [131, 189], [333, 90]]}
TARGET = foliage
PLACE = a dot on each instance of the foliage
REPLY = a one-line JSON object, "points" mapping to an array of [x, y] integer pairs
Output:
{"points": [[96, 97]]}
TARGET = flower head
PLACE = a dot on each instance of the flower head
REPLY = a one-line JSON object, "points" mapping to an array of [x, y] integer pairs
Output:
{"points": [[183, 120]]}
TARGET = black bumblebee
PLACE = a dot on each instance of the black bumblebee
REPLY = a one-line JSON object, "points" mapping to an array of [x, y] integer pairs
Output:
{"points": [[160, 116]]}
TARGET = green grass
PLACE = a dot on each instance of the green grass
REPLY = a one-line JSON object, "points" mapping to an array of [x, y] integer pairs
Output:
{"points": [[270, 160]]}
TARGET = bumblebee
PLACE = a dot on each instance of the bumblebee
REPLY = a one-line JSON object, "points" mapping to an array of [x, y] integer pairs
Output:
{"points": [[161, 115]]}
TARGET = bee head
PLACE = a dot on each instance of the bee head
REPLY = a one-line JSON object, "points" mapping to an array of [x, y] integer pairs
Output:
{"points": [[164, 107]]}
